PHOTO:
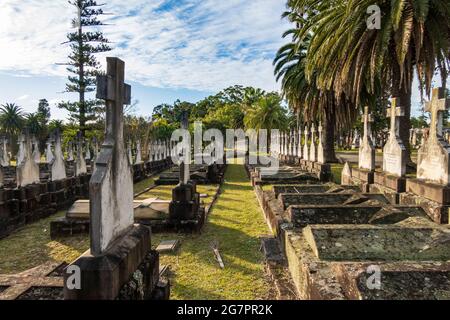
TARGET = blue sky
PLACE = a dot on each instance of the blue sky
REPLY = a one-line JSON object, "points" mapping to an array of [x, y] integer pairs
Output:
{"points": [[173, 49]]}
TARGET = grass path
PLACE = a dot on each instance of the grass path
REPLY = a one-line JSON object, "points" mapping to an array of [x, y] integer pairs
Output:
{"points": [[236, 222]]}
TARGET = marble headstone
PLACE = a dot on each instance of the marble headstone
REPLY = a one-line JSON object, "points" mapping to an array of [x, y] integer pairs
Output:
{"points": [[320, 150], [305, 145], [313, 148], [80, 162], [58, 165], [434, 156], [367, 149], [4, 155], [27, 168], [394, 152]]}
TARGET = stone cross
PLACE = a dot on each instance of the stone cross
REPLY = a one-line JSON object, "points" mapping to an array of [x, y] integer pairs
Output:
{"points": [[184, 166], [367, 149], [433, 162], [313, 149], [320, 149], [394, 152], [58, 163], [48, 152], [305, 145], [436, 108], [4, 159], [80, 162], [27, 169], [111, 185]]}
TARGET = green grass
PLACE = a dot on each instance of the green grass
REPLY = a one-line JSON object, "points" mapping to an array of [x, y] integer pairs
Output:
{"points": [[336, 170], [236, 222]]}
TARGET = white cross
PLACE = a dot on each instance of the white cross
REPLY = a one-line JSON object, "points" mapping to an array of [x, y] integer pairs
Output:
{"points": [[438, 104]]}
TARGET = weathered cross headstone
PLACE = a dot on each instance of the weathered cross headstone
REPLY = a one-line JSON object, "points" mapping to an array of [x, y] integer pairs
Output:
{"points": [[185, 203], [367, 149], [355, 141], [4, 155], [27, 168], [434, 156], [118, 246], [394, 152], [80, 162], [58, 165], [306, 145], [313, 148], [320, 148]]}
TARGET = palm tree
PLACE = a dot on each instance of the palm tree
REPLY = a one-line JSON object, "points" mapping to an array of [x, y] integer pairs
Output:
{"points": [[11, 119], [267, 113], [348, 57]]}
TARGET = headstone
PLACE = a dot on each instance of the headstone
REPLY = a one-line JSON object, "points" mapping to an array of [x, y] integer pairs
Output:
{"points": [[355, 141], [111, 185], [27, 168], [138, 152], [346, 179], [414, 138], [367, 149], [293, 143], [320, 149], [88, 156], [119, 250], [129, 151], [48, 151], [394, 152], [58, 165], [21, 153], [305, 145], [4, 155], [299, 144], [313, 148], [80, 162], [36, 152], [434, 156], [185, 203], [70, 156]]}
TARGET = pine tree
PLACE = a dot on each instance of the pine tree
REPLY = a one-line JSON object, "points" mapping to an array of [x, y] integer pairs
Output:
{"points": [[83, 66]]}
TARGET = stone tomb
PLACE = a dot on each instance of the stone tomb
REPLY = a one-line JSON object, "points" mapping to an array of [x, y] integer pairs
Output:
{"points": [[120, 250], [330, 245], [432, 186]]}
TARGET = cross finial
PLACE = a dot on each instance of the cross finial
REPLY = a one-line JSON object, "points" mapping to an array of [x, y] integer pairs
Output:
{"points": [[116, 92], [438, 104], [394, 112]]}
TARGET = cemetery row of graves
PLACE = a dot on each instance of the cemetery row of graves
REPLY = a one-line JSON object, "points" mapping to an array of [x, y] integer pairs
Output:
{"points": [[146, 222]]}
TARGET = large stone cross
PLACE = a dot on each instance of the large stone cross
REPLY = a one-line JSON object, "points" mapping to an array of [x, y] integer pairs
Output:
{"points": [[367, 120], [394, 112], [111, 185], [436, 107]]}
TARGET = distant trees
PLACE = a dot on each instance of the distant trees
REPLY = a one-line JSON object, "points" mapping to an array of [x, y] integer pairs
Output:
{"points": [[83, 66]]}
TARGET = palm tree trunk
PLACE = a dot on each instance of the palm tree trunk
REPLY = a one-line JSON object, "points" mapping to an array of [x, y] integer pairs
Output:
{"points": [[402, 91], [329, 122]]}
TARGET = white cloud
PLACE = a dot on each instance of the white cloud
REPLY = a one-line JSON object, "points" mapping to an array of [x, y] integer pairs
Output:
{"points": [[198, 44], [24, 97]]}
